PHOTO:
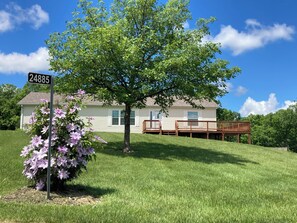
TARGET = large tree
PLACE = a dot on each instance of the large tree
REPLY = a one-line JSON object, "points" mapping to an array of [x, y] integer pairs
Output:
{"points": [[136, 50]]}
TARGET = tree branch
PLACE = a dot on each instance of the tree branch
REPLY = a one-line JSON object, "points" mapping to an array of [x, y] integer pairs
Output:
{"points": [[155, 93]]}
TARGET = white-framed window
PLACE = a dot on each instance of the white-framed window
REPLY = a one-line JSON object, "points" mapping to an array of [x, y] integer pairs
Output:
{"points": [[156, 115], [118, 117], [192, 116]]}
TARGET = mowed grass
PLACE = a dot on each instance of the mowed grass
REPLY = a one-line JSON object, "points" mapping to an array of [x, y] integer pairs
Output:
{"points": [[166, 179]]}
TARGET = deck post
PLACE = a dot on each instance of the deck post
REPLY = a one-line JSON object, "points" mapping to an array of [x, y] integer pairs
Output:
{"points": [[207, 135], [160, 126], [223, 137], [238, 138], [249, 139]]}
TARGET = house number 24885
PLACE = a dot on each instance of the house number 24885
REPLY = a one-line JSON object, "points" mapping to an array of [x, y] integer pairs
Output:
{"points": [[36, 78]]}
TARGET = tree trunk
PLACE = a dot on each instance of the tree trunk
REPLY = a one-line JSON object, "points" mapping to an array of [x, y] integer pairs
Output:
{"points": [[127, 148]]}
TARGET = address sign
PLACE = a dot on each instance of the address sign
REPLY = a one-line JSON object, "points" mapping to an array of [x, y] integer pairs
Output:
{"points": [[36, 78]]}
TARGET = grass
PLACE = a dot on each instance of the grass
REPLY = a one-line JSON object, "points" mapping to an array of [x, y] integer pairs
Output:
{"points": [[166, 179]]}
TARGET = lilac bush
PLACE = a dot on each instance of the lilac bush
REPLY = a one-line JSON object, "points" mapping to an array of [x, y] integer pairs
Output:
{"points": [[73, 143]]}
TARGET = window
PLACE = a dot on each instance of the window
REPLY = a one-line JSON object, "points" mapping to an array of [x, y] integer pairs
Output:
{"points": [[132, 118], [192, 116], [155, 115], [118, 117], [115, 117]]}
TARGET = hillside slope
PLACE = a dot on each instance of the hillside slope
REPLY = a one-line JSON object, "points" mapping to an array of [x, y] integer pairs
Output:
{"points": [[166, 179]]}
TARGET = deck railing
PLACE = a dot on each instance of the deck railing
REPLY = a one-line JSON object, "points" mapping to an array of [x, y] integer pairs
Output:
{"points": [[234, 126], [200, 126], [152, 126], [221, 128], [210, 126]]}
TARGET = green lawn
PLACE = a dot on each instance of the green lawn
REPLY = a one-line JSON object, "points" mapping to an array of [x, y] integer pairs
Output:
{"points": [[166, 179]]}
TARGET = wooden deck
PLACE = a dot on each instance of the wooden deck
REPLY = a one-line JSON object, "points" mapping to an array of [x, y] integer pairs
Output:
{"points": [[206, 129]]}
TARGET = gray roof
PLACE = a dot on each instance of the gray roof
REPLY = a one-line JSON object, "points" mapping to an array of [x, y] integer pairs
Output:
{"points": [[34, 98]]}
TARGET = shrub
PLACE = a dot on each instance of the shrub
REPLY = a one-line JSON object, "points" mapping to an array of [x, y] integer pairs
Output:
{"points": [[72, 142]]}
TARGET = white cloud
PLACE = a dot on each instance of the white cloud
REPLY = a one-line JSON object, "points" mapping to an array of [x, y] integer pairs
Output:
{"points": [[251, 106], [240, 90], [252, 22], [287, 104], [22, 63], [5, 21], [186, 25], [14, 15], [227, 86], [254, 36]]}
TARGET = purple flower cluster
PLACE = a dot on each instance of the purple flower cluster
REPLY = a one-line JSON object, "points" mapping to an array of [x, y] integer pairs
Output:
{"points": [[72, 143], [59, 113]]}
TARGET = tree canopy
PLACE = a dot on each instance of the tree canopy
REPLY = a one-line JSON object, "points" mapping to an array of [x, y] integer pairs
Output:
{"points": [[9, 110], [277, 129], [138, 49], [224, 114]]}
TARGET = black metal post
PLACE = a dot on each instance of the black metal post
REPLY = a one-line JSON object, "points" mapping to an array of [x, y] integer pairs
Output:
{"points": [[50, 140]]}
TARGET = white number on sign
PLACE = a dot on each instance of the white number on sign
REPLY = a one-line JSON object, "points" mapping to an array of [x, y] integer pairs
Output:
{"points": [[39, 78]]}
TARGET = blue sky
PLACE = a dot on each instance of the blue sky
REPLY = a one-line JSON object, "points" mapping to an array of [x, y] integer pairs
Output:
{"points": [[259, 36]]}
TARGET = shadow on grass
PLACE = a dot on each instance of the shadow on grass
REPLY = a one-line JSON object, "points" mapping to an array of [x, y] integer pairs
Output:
{"points": [[71, 195], [173, 152], [83, 190]]}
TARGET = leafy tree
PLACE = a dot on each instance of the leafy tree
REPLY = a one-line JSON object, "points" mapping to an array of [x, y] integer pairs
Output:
{"points": [[224, 114], [10, 95], [262, 132], [28, 87], [263, 135], [275, 129], [9, 110], [138, 49], [284, 123]]}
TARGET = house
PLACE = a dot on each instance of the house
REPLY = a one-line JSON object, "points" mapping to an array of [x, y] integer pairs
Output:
{"points": [[110, 118], [182, 118]]}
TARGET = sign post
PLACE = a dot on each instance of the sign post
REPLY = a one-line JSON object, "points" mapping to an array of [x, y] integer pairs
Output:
{"points": [[36, 78]]}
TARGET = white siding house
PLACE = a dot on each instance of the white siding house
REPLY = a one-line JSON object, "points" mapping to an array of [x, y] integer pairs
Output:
{"points": [[109, 119]]}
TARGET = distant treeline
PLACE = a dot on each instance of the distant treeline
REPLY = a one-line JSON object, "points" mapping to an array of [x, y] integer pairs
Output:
{"points": [[10, 111], [277, 129]]}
